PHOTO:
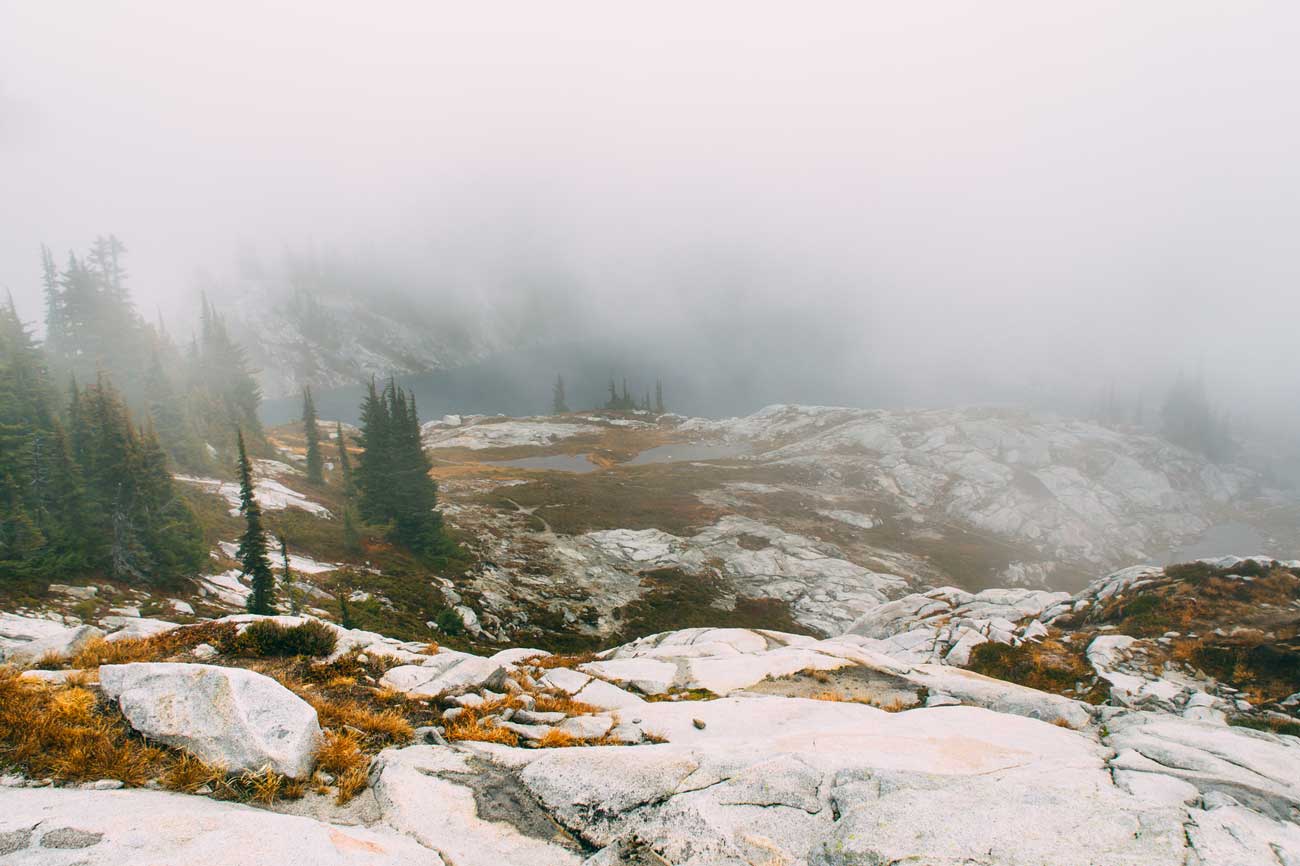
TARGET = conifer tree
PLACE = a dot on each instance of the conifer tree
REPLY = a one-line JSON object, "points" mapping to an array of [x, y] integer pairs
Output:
{"points": [[289, 591], [393, 472], [659, 396], [558, 404], [345, 463], [252, 556], [311, 433]]}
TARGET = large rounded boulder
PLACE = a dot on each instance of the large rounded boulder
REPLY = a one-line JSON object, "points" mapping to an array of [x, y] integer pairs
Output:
{"points": [[230, 717]]}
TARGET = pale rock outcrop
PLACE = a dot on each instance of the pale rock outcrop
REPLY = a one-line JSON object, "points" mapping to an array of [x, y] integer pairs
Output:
{"points": [[60, 641], [229, 717], [446, 672], [131, 628], [1258, 769], [56, 827]]}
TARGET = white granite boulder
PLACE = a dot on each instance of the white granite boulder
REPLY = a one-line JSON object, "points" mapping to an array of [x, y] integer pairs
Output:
{"points": [[229, 717]]}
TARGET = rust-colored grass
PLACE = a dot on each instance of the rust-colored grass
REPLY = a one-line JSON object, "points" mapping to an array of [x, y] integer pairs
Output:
{"points": [[61, 732], [188, 774], [351, 783], [101, 652], [561, 703], [571, 660], [386, 726], [557, 739], [341, 752]]}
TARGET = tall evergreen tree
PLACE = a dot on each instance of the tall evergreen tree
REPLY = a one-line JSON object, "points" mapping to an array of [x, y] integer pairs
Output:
{"points": [[311, 433], [659, 396], [289, 591], [252, 556], [393, 472], [345, 463], [558, 404]]}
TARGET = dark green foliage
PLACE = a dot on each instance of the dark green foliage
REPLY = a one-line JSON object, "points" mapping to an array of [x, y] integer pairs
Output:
{"points": [[311, 434], [268, 638], [449, 622], [224, 394], [351, 537], [558, 404], [345, 463], [95, 495], [393, 473], [287, 578], [252, 557], [93, 329]]}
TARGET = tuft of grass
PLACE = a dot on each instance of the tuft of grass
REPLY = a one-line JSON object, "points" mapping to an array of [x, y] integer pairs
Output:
{"points": [[188, 774], [351, 783], [558, 660], [101, 652], [340, 753], [683, 695], [557, 739], [562, 703]]}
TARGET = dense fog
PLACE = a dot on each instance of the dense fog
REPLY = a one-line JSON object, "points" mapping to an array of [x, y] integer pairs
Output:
{"points": [[920, 205]]}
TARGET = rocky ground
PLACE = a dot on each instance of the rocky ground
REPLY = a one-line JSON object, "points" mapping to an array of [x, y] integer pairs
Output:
{"points": [[809, 636], [696, 746], [803, 518]]}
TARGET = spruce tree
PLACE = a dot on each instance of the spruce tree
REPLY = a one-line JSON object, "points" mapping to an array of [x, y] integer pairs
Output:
{"points": [[345, 463], [252, 557], [659, 396], [311, 433], [289, 590], [558, 404], [393, 472]]}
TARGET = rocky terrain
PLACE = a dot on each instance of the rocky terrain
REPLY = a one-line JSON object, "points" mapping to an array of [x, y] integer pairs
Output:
{"points": [[695, 746], [811, 636], [813, 514]]}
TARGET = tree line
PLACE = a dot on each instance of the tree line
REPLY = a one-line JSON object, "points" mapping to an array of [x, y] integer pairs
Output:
{"points": [[618, 401]]}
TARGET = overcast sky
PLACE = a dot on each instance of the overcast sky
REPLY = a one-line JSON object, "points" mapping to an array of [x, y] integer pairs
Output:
{"points": [[1035, 189]]}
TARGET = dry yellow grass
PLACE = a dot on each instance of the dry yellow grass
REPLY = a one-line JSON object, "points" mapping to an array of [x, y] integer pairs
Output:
{"points": [[551, 703], [557, 739], [340, 682], [101, 652], [350, 784], [340, 753], [385, 695], [188, 774], [388, 726], [562, 661], [61, 732]]}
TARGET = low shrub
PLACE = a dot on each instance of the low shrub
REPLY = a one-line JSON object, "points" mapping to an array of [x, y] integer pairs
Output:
{"points": [[1273, 726], [268, 638], [1048, 667], [449, 622]]}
